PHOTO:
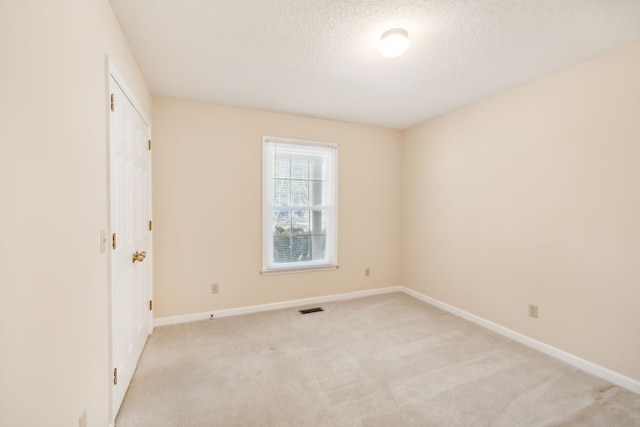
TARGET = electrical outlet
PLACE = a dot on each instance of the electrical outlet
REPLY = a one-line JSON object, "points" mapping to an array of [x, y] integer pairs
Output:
{"points": [[533, 311], [214, 288], [367, 271]]}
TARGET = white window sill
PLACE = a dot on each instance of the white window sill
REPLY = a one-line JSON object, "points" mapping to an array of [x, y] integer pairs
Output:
{"points": [[298, 269]]}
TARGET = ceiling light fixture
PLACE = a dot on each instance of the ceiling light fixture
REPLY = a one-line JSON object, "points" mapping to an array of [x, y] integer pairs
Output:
{"points": [[393, 42]]}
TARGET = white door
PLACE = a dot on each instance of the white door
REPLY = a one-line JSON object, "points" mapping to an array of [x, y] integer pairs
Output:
{"points": [[131, 255]]}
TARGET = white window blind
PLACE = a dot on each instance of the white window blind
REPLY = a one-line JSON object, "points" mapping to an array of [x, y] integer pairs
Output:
{"points": [[299, 211]]}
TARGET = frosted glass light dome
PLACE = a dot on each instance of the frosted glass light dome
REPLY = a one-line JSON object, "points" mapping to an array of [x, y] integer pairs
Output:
{"points": [[393, 42]]}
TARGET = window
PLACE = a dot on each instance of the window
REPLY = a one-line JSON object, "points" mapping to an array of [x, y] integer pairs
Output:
{"points": [[299, 205]]}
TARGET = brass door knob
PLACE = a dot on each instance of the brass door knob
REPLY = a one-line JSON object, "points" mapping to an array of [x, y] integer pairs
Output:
{"points": [[139, 256]]}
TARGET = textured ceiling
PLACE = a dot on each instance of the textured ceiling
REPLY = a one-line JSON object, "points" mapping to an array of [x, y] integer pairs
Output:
{"points": [[319, 57]]}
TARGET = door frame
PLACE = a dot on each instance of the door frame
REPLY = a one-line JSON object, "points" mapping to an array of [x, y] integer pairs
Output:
{"points": [[112, 72]]}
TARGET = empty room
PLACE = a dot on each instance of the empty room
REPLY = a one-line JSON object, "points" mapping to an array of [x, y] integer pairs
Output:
{"points": [[320, 213]]}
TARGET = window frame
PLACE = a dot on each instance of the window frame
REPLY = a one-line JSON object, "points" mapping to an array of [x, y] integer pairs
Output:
{"points": [[330, 207]]}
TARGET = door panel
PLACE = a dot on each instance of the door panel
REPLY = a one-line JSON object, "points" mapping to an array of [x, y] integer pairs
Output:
{"points": [[130, 213]]}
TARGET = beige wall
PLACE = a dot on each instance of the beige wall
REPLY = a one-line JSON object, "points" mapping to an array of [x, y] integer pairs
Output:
{"points": [[53, 182], [533, 196], [207, 163]]}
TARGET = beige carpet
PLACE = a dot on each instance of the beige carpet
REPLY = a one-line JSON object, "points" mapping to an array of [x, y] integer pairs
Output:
{"points": [[388, 360]]}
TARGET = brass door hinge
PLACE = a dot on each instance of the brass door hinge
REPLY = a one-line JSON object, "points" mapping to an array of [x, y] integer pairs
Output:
{"points": [[150, 304], [150, 225], [113, 240], [115, 376], [113, 102], [149, 144]]}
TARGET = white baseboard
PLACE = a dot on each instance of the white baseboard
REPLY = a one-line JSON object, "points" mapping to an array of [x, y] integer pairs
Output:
{"points": [[592, 368], [184, 318], [173, 320]]}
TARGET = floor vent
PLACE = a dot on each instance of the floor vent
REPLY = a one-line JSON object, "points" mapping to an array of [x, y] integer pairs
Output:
{"points": [[311, 310]]}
